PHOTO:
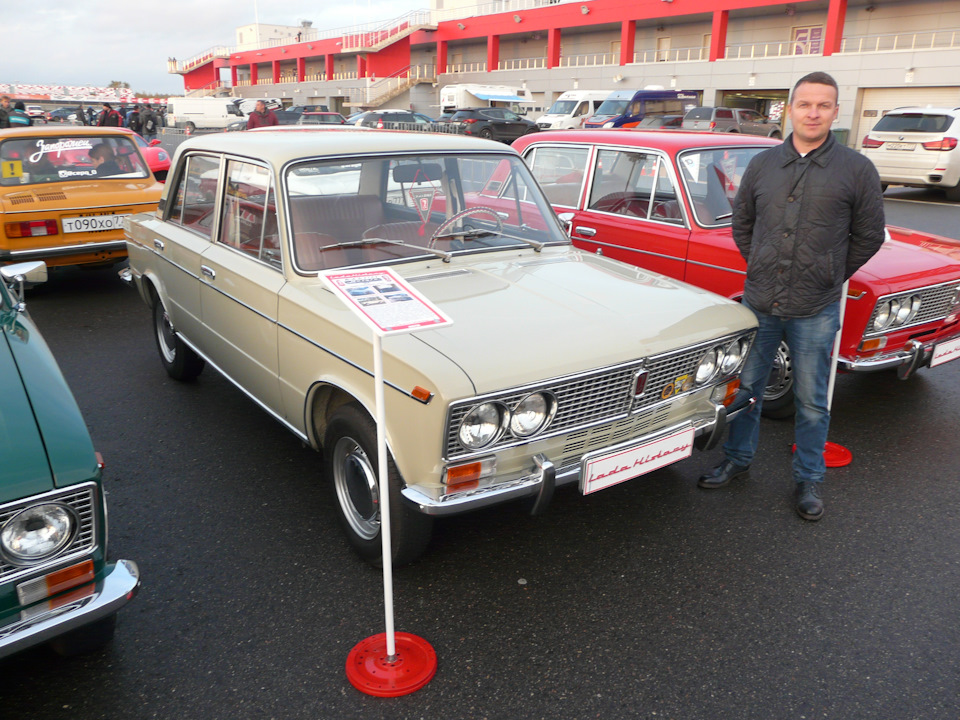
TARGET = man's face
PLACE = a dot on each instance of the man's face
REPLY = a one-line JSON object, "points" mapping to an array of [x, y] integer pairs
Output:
{"points": [[812, 111], [261, 106], [5, 103]]}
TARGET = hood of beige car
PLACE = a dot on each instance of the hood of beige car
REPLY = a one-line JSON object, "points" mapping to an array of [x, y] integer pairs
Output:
{"points": [[548, 314]]}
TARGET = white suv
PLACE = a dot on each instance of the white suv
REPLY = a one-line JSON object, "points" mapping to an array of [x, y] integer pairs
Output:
{"points": [[917, 147]]}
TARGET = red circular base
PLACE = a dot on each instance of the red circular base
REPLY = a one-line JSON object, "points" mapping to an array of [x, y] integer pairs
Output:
{"points": [[413, 666], [833, 455]]}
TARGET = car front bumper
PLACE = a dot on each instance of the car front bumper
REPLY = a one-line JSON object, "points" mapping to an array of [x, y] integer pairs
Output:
{"points": [[78, 607], [906, 362], [545, 476]]}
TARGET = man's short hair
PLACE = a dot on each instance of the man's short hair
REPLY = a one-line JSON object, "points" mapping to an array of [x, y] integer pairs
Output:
{"points": [[4, 97], [108, 106], [102, 151], [816, 78]]}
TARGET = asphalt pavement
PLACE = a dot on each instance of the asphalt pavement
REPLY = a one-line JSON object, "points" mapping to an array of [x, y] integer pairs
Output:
{"points": [[652, 599]]}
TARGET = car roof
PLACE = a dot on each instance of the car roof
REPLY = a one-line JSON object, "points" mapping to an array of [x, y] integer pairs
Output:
{"points": [[671, 140], [60, 129], [278, 147]]}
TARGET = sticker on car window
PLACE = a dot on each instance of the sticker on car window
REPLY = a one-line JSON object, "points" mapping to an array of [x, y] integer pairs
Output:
{"points": [[11, 169]]}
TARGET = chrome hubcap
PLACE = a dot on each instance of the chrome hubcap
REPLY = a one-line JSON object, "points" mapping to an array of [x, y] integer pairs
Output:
{"points": [[357, 490], [780, 381]]}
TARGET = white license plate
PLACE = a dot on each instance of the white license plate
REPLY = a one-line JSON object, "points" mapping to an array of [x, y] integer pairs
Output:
{"points": [[945, 352], [601, 470], [92, 223], [900, 146]]}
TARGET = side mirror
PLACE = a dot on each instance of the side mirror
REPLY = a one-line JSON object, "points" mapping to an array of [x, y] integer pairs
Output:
{"points": [[566, 219], [154, 142], [26, 272]]}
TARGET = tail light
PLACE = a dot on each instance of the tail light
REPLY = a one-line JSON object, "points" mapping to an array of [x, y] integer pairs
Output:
{"points": [[31, 228], [869, 142], [947, 143], [470, 121], [713, 124]]}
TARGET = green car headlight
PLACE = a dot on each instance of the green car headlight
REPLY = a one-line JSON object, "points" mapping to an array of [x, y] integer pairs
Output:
{"points": [[37, 533], [482, 426]]}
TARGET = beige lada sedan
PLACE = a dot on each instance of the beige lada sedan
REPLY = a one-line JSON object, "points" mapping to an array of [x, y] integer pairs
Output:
{"points": [[559, 366]]}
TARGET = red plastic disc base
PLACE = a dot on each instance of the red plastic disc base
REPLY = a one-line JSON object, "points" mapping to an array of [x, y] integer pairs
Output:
{"points": [[833, 455], [413, 666]]}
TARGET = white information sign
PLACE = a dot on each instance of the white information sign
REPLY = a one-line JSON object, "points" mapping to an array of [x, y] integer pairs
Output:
{"points": [[385, 302], [945, 352], [608, 469]]}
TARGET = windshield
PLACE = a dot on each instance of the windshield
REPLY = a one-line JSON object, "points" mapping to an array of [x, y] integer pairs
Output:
{"points": [[562, 107], [29, 161], [612, 107], [712, 178], [359, 211]]}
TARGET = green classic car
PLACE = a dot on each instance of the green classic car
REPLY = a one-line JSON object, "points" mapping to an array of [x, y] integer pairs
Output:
{"points": [[55, 583]]}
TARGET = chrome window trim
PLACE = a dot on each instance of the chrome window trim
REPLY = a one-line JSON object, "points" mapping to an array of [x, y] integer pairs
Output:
{"points": [[82, 208]]}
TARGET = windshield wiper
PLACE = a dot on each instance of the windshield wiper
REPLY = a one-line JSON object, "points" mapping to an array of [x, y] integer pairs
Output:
{"points": [[445, 256], [467, 233]]}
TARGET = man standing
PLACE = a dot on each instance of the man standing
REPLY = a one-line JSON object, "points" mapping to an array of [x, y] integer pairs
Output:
{"points": [[808, 214], [148, 123], [110, 117], [261, 117], [5, 110]]}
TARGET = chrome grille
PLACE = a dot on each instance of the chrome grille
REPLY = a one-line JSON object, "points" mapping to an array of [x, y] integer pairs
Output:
{"points": [[934, 305], [595, 398], [82, 499]]}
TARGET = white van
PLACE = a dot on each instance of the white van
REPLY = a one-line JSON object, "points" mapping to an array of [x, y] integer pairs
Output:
{"points": [[201, 113], [571, 109]]}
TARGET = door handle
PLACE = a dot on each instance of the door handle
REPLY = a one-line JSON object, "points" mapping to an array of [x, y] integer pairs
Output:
{"points": [[581, 230], [209, 272], [158, 244]]}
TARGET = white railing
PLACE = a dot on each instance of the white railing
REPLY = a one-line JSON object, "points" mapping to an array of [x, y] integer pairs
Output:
{"points": [[771, 50], [590, 60], [539, 63], [381, 90], [929, 40], [475, 67]]}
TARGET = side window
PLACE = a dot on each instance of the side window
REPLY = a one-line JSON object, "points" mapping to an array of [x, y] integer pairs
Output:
{"points": [[250, 212], [560, 172], [511, 116], [193, 200], [492, 113], [624, 185]]}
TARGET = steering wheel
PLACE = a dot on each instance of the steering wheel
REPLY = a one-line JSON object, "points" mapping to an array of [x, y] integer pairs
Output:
{"points": [[462, 214]]}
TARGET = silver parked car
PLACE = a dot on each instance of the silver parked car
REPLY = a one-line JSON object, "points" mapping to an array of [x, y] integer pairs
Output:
{"points": [[917, 147]]}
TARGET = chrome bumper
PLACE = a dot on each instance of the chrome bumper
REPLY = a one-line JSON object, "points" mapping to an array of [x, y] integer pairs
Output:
{"points": [[63, 250], [915, 355], [545, 476], [113, 592]]}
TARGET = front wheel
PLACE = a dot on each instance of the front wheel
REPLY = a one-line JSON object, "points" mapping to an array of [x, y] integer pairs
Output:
{"points": [[180, 362], [350, 465], [778, 394]]}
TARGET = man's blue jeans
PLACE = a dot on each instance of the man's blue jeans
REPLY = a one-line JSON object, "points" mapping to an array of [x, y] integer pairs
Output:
{"points": [[811, 352]]}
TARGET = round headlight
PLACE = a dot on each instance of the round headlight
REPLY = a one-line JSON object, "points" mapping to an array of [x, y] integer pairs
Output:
{"points": [[532, 414], [708, 366], [732, 357], [37, 533], [482, 426], [883, 317]]}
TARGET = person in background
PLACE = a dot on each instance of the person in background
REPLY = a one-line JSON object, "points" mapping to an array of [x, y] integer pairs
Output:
{"points": [[132, 120], [109, 117], [18, 116], [149, 123], [81, 115], [5, 110], [261, 117], [807, 216], [104, 160]]}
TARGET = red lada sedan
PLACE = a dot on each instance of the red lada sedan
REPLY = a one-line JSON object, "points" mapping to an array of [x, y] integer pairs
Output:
{"points": [[662, 200]]}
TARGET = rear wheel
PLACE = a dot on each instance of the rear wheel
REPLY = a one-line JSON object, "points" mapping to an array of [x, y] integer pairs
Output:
{"points": [[350, 465], [180, 362], [953, 194], [190, 128], [485, 133]]}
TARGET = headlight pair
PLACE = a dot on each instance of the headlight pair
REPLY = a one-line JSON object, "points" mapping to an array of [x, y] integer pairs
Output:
{"points": [[896, 312], [721, 361], [37, 533], [487, 422]]}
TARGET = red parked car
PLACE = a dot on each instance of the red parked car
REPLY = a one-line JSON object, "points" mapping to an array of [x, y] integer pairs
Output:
{"points": [[158, 159], [661, 200]]}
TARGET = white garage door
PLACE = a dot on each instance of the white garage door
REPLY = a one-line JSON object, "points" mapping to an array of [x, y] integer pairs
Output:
{"points": [[877, 101]]}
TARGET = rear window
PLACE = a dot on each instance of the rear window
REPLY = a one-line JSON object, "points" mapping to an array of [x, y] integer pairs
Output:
{"points": [[31, 161], [700, 113], [463, 115], [914, 122]]}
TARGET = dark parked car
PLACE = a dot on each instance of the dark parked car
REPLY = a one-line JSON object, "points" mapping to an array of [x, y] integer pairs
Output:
{"points": [[321, 118], [495, 123], [392, 119], [56, 585]]}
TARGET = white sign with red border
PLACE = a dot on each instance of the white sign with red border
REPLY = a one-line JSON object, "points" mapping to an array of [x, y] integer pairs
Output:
{"points": [[945, 352], [602, 471], [384, 301]]}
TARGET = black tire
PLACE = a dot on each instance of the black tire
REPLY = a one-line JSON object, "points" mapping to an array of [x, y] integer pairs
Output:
{"points": [[190, 128], [883, 187], [778, 394], [350, 466], [776, 135], [87, 639], [485, 133], [180, 362], [953, 194]]}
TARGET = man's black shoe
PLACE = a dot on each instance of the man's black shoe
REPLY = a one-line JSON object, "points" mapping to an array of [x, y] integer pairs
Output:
{"points": [[722, 474], [809, 504]]}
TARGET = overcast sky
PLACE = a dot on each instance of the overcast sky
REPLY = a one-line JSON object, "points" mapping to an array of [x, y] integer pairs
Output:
{"points": [[92, 42]]}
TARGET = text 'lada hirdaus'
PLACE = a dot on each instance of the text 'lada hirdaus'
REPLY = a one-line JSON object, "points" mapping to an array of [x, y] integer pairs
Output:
{"points": [[559, 367]]}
